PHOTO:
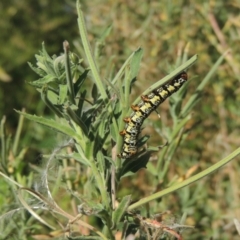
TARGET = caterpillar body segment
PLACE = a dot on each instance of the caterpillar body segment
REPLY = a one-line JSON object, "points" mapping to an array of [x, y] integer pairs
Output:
{"points": [[142, 110], [153, 99]]}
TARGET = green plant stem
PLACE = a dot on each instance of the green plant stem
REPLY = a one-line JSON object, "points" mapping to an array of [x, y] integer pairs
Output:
{"points": [[3, 145], [98, 178], [55, 208], [68, 72], [171, 148], [77, 120], [120, 72], [91, 62], [195, 97], [170, 76], [88, 52], [48, 103], [17, 136], [100, 86], [186, 182]]}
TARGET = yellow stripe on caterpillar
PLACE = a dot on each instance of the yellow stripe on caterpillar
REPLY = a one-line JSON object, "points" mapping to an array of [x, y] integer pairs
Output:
{"points": [[142, 110], [171, 88], [155, 100]]}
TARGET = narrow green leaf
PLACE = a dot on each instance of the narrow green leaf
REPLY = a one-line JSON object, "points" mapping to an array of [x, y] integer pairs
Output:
{"points": [[68, 72], [120, 211], [53, 97], [101, 162], [40, 64], [62, 128], [3, 161], [81, 102], [78, 84], [121, 71], [44, 80], [48, 102], [44, 53], [113, 133], [88, 52], [39, 71], [135, 63], [139, 161], [77, 120], [195, 97], [186, 182], [63, 90], [17, 135], [106, 33], [58, 65], [170, 76], [78, 157], [94, 92]]}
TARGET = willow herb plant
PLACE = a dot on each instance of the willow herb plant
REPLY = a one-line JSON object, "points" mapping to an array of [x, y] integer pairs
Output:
{"points": [[91, 121]]}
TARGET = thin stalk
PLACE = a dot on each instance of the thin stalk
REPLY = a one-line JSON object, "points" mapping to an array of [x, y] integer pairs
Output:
{"points": [[169, 77], [175, 132], [186, 182], [98, 178], [91, 61], [120, 72], [68, 72], [55, 208], [194, 98], [49, 103], [17, 136], [3, 145], [88, 52], [100, 86]]}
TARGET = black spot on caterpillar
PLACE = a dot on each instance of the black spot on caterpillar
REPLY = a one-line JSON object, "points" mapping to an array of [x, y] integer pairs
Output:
{"points": [[142, 110]]}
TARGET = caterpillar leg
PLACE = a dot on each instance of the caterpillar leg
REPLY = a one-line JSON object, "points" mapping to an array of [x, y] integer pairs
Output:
{"points": [[135, 108], [127, 151]]}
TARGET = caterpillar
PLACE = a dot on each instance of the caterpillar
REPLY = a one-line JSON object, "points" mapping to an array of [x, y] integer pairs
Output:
{"points": [[142, 110]]}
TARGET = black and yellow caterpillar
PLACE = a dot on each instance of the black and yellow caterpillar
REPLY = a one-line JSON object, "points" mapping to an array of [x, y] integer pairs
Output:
{"points": [[142, 110]]}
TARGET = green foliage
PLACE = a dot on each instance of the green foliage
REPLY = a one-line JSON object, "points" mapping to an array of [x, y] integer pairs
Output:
{"points": [[25, 25], [83, 181]]}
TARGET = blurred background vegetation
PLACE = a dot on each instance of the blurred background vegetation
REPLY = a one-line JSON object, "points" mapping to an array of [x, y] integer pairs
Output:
{"points": [[164, 29]]}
